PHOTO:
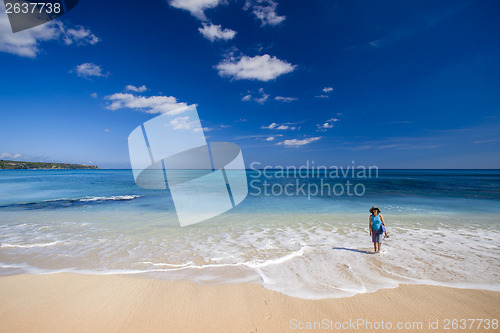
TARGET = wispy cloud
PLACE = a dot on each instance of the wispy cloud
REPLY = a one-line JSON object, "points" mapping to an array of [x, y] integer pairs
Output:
{"points": [[327, 124], [271, 126], [285, 99], [257, 137], [77, 35], [265, 11], [23, 157], [217, 127], [9, 156], [262, 68], [214, 32], [140, 89], [297, 142], [196, 7], [486, 141], [284, 126], [147, 104], [326, 92], [261, 98], [396, 143], [88, 70]]}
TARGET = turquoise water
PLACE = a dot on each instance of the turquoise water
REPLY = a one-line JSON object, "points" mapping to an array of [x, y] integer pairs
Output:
{"points": [[400, 190], [443, 224]]}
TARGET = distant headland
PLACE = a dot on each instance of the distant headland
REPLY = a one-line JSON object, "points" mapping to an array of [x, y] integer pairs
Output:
{"points": [[42, 165]]}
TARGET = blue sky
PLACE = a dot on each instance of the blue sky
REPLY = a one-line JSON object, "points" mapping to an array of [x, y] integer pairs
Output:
{"points": [[397, 84]]}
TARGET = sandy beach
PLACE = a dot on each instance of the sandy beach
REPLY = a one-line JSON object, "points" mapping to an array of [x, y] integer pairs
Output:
{"points": [[65, 302]]}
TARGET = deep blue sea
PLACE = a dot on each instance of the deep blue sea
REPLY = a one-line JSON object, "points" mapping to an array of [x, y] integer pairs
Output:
{"points": [[303, 233]]}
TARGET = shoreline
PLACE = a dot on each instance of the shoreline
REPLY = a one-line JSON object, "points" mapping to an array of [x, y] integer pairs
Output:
{"points": [[285, 258], [62, 302]]}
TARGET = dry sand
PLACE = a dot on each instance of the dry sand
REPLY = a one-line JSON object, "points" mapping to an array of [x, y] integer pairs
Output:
{"points": [[66, 302]]}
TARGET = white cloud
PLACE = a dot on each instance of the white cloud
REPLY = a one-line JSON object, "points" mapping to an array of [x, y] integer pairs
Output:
{"points": [[298, 143], [276, 126], [214, 32], [9, 155], [27, 43], [151, 104], [196, 7], [94, 95], [213, 128], [262, 68], [265, 11], [327, 124], [326, 90], [79, 35], [107, 130], [89, 69], [140, 89], [271, 138], [256, 137], [261, 100], [271, 126], [285, 99]]}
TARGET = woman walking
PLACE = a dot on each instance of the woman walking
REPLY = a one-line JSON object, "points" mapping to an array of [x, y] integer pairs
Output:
{"points": [[376, 230]]}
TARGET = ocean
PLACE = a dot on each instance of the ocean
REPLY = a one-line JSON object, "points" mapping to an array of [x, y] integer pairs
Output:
{"points": [[304, 234]]}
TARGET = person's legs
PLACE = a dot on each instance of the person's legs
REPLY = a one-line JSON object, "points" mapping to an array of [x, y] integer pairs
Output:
{"points": [[375, 240], [376, 236]]}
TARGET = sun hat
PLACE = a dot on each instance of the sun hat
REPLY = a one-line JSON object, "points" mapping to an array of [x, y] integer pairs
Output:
{"points": [[374, 207]]}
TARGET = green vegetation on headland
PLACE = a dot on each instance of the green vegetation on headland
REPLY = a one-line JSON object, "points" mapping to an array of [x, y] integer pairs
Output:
{"points": [[42, 165]]}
